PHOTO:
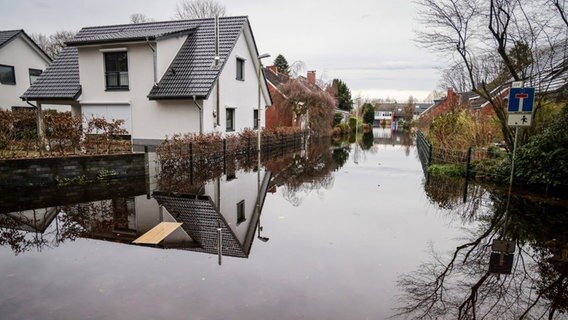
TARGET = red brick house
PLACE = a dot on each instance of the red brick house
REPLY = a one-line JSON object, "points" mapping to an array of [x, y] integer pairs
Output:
{"points": [[279, 114]]}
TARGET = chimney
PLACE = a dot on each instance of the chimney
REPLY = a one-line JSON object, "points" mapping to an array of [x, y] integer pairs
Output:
{"points": [[273, 68], [312, 77]]}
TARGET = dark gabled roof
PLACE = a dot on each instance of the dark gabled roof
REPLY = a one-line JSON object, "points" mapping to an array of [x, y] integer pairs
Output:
{"points": [[200, 221], [128, 33], [9, 35], [60, 81], [6, 36], [192, 72], [276, 79]]}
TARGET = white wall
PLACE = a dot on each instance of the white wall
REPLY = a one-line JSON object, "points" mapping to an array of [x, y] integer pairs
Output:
{"points": [[243, 187], [238, 94], [19, 54], [154, 120]]}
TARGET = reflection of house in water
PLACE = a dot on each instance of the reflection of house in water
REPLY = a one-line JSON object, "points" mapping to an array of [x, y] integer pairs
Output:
{"points": [[227, 203], [389, 136]]}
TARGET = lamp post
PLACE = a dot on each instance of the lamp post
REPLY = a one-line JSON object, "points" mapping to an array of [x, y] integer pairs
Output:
{"points": [[258, 128]]}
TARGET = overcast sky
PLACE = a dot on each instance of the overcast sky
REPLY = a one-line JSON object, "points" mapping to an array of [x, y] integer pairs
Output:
{"points": [[366, 43]]}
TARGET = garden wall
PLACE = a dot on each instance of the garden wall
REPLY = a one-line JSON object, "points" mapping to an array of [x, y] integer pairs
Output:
{"points": [[71, 170]]}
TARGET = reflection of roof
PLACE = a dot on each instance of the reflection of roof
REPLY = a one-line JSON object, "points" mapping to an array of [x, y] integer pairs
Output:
{"points": [[190, 74], [200, 221]]}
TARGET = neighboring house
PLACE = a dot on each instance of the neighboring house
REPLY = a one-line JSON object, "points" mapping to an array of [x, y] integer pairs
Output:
{"points": [[162, 78], [440, 106], [384, 113], [277, 115], [21, 63]]}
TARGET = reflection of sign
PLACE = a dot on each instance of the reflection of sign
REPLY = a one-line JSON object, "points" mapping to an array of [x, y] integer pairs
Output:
{"points": [[501, 263], [564, 255], [519, 119], [521, 100], [503, 246]]}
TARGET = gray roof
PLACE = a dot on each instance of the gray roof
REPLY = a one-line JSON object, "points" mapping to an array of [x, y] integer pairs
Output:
{"points": [[191, 73], [60, 81], [6, 36]]}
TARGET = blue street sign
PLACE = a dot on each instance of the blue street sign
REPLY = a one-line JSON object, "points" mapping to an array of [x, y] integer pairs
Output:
{"points": [[521, 99]]}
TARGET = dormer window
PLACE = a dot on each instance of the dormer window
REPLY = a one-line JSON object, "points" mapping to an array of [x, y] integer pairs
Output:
{"points": [[116, 70]]}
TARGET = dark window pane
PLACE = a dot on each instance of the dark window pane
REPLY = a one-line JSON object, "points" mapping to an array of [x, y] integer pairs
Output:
{"points": [[34, 74], [240, 69], [230, 119], [116, 70], [255, 116], [241, 212], [7, 75]]}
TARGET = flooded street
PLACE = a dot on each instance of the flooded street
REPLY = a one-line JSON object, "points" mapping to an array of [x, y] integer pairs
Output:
{"points": [[340, 228]]}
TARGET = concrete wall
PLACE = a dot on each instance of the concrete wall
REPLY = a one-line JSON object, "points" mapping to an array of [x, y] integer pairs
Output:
{"points": [[47, 172], [19, 54]]}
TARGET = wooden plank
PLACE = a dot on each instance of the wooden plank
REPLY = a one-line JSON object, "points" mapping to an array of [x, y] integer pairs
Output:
{"points": [[158, 233]]}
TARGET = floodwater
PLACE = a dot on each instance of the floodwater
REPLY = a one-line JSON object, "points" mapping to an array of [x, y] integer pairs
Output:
{"points": [[347, 231]]}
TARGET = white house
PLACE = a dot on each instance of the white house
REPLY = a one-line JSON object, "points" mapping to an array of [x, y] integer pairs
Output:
{"points": [[162, 78], [21, 63]]}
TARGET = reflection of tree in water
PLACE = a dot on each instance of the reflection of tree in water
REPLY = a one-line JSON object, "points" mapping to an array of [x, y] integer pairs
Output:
{"points": [[303, 173], [458, 286], [368, 140]]}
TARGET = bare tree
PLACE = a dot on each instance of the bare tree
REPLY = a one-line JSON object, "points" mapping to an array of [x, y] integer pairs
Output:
{"points": [[199, 9], [488, 38], [53, 43], [140, 18]]}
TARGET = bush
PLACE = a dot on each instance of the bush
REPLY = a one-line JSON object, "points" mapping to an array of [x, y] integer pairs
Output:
{"points": [[448, 170], [337, 118], [544, 159]]}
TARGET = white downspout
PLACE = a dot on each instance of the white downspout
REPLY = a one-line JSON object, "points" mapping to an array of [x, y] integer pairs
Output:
{"points": [[200, 115], [154, 60]]}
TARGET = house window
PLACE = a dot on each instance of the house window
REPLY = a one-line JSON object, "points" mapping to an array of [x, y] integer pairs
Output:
{"points": [[230, 119], [240, 69], [241, 212], [34, 74], [255, 119], [116, 70], [7, 75]]}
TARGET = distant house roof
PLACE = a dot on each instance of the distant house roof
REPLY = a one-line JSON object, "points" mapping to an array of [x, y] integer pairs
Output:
{"points": [[6, 36], [387, 106], [191, 73], [9, 35]]}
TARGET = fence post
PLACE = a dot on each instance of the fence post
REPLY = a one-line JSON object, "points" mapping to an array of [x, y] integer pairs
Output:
{"points": [[467, 171], [191, 162], [248, 149]]}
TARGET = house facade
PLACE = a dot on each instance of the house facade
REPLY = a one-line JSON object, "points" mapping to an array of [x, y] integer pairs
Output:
{"points": [[21, 63], [161, 78]]}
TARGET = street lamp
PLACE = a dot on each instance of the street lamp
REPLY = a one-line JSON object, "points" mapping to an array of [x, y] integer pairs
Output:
{"points": [[258, 128]]}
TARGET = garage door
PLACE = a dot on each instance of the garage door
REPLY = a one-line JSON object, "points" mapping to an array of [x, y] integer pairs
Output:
{"points": [[109, 112]]}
